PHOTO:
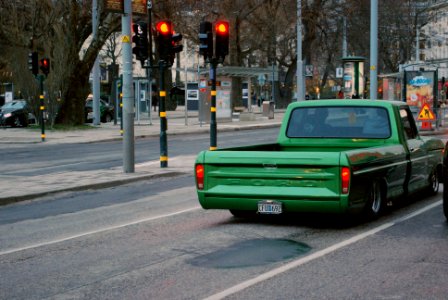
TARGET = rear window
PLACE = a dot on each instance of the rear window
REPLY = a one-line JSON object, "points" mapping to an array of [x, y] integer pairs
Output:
{"points": [[339, 122]]}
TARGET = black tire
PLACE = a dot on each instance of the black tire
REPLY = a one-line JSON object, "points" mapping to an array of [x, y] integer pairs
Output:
{"points": [[242, 213], [445, 199], [25, 122], [107, 118], [375, 201], [445, 190], [434, 183], [16, 122]]}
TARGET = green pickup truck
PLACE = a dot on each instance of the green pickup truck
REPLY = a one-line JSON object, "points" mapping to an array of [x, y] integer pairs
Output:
{"points": [[331, 156]]}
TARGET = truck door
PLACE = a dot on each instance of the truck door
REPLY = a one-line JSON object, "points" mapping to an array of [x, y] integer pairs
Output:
{"points": [[417, 170]]}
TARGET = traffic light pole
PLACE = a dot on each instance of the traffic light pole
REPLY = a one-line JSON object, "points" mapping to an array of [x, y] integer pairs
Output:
{"points": [[213, 126], [162, 115], [42, 106]]}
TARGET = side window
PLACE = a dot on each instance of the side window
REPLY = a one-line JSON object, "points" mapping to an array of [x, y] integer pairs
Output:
{"points": [[408, 122]]}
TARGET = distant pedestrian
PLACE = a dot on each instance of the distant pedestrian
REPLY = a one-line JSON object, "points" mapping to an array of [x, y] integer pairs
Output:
{"points": [[340, 95], [155, 100]]}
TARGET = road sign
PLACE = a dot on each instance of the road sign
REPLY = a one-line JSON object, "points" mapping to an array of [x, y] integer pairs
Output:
{"points": [[426, 114]]}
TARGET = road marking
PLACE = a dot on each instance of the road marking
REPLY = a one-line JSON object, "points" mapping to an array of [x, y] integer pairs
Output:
{"points": [[298, 262], [99, 231]]}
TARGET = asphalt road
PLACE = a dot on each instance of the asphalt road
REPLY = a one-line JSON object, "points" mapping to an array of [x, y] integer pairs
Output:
{"points": [[41, 159], [150, 240]]}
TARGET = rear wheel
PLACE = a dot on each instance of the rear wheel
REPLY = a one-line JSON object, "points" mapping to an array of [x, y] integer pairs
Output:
{"points": [[433, 183], [375, 201]]}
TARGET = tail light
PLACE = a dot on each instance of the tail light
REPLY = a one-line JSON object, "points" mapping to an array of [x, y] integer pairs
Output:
{"points": [[345, 180], [200, 176]]}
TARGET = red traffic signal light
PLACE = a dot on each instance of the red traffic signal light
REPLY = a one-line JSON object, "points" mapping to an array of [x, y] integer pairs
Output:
{"points": [[222, 27], [45, 66], [168, 42], [164, 27], [222, 40]]}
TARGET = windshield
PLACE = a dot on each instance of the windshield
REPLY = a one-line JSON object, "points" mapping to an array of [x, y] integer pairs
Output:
{"points": [[14, 104], [339, 122]]}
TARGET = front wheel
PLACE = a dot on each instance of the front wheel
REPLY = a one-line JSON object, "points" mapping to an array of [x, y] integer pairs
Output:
{"points": [[16, 122], [375, 201]]}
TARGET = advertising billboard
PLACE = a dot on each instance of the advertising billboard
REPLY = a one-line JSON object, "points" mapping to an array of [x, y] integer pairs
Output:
{"points": [[420, 88]]}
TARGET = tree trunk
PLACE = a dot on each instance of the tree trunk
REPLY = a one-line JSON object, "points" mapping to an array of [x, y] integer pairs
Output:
{"points": [[71, 111]]}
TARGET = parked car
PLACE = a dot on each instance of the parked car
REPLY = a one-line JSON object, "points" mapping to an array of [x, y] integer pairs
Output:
{"points": [[16, 114], [106, 111]]}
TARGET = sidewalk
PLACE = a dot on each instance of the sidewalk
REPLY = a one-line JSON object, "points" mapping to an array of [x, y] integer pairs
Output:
{"points": [[35, 186]]}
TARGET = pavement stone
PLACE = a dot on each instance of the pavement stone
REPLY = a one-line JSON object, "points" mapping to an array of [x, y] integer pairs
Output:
{"points": [[178, 123]]}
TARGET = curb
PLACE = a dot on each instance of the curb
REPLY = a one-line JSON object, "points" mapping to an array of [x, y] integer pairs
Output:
{"points": [[98, 185]]}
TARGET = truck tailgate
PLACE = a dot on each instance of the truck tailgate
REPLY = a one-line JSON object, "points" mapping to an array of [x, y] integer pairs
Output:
{"points": [[273, 175]]}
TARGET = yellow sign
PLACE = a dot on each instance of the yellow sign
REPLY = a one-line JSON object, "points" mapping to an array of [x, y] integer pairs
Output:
{"points": [[426, 114], [126, 39]]}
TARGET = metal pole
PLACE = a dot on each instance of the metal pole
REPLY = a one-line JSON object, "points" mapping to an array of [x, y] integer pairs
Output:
{"points": [[273, 82], [128, 91], [149, 70], [186, 83], [162, 115], [344, 37], [373, 49], [42, 107], [213, 126], [417, 46], [96, 68], [300, 82]]}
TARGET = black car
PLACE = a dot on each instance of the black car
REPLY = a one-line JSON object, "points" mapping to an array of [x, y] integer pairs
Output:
{"points": [[106, 111], [15, 113]]}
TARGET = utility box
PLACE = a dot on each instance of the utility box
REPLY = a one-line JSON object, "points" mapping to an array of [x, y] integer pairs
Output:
{"points": [[268, 109], [223, 99]]}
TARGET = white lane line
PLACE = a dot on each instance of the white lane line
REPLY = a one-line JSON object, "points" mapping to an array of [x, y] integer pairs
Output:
{"points": [[98, 231], [265, 276]]}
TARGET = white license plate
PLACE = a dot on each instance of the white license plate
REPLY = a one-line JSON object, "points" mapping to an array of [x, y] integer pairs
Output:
{"points": [[269, 207]]}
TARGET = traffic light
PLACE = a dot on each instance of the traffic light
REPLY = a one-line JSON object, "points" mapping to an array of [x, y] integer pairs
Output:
{"points": [[206, 40], [140, 39], [45, 66], [164, 37], [33, 63], [176, 47], [222, 40], [168, 42]]}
